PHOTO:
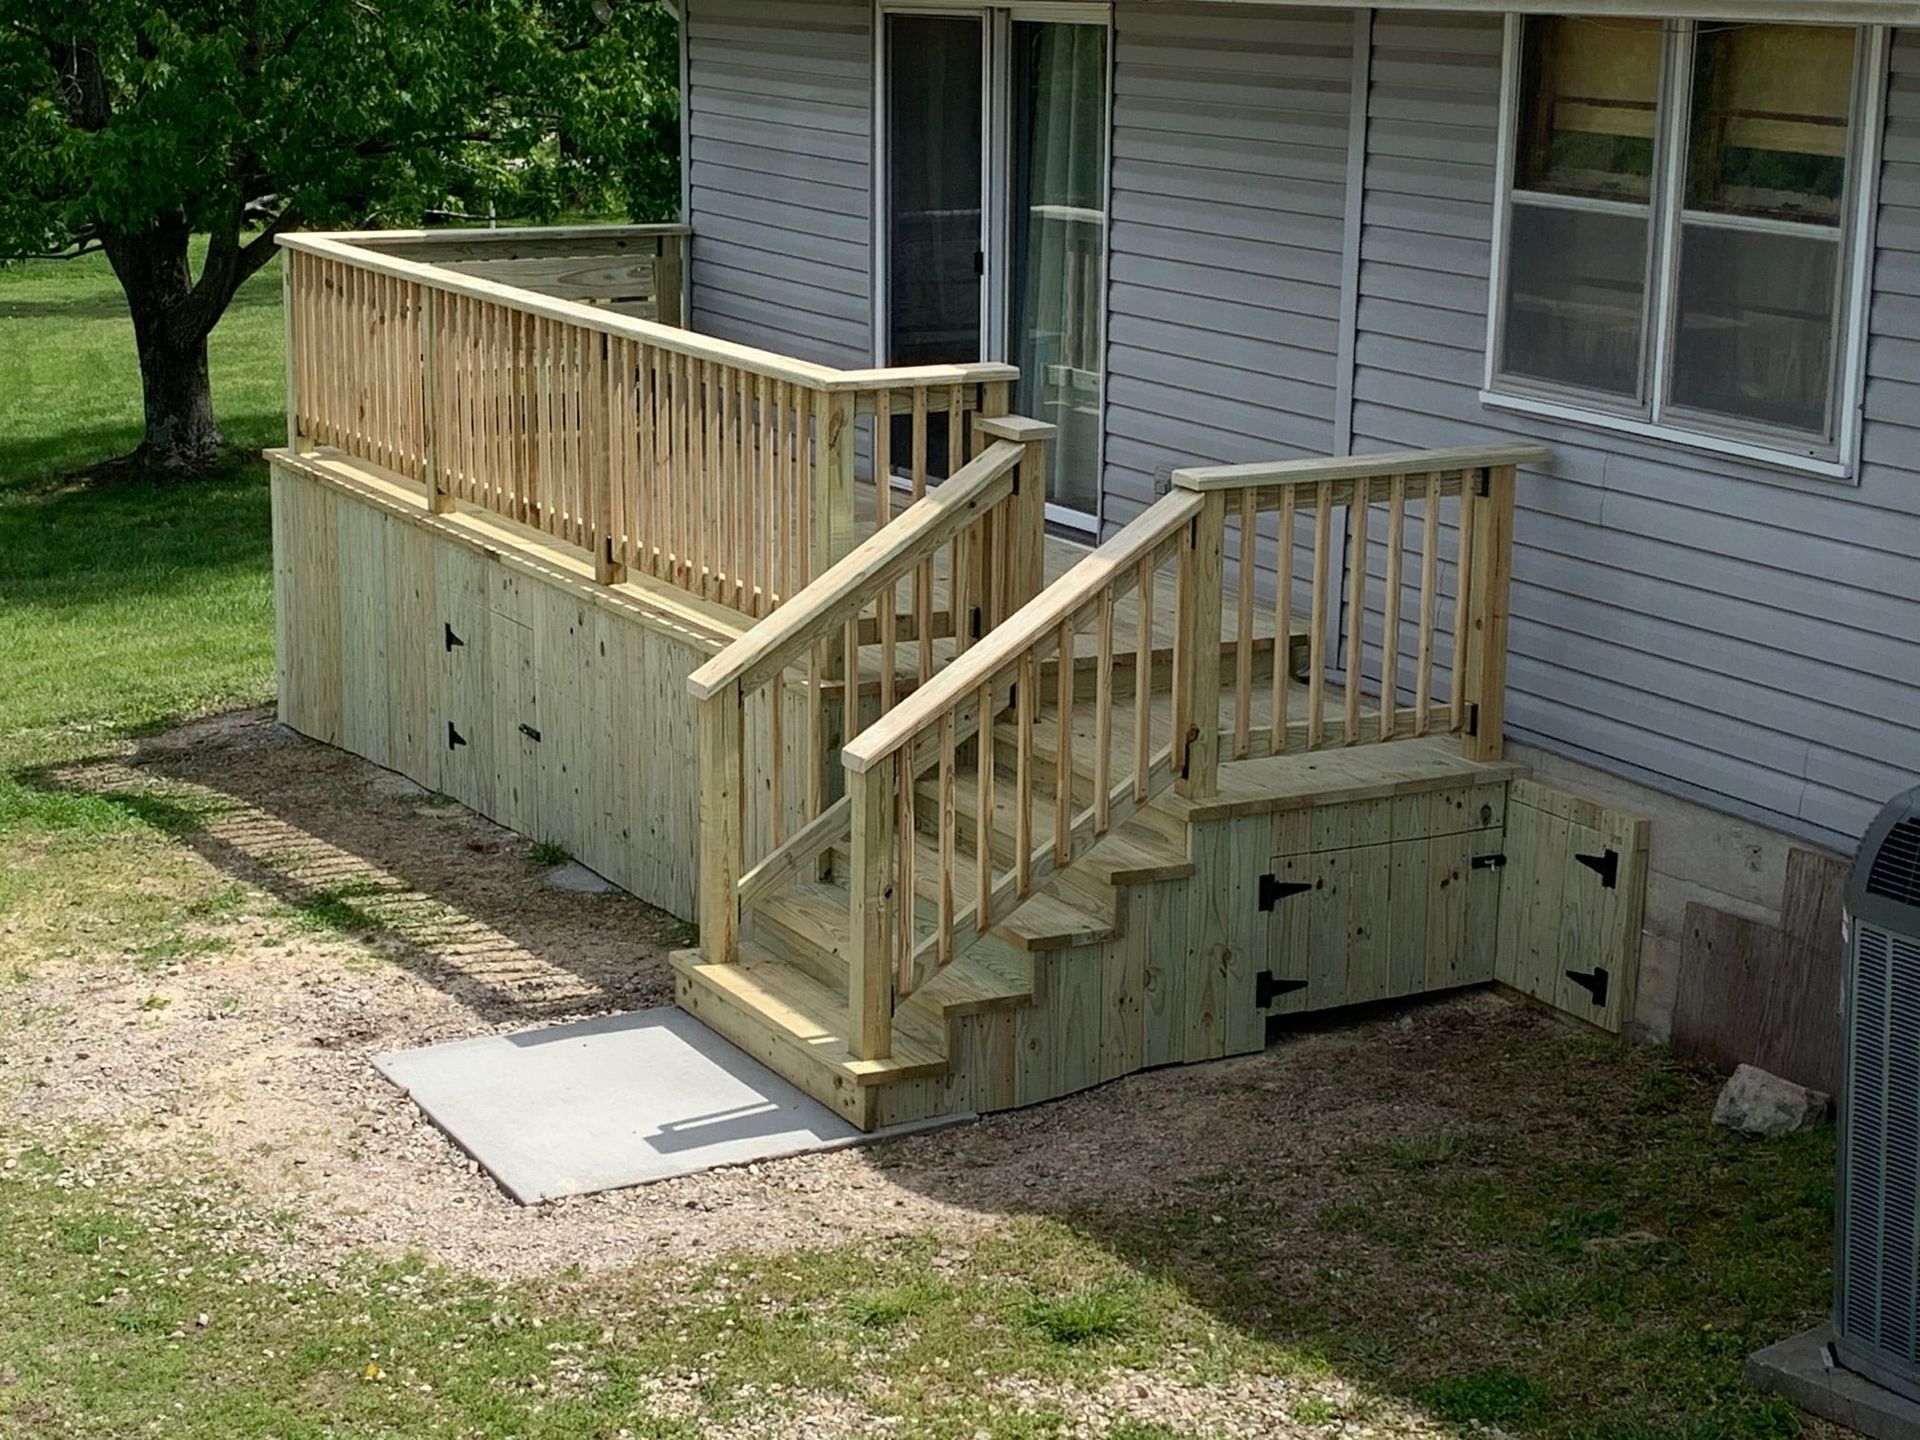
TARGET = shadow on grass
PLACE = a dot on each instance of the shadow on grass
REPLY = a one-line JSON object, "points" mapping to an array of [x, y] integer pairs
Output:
{"points": [[106, 302]]}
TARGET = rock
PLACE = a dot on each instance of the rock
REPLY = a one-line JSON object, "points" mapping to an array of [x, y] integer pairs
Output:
{"points": [[1756, 1103], [578, 879], [388, 782]]}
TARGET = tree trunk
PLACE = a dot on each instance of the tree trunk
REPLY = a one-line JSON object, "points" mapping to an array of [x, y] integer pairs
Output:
{"points": [[170, 328]]}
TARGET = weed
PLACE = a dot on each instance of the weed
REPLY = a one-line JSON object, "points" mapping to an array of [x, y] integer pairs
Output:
{"points": [[546, 854], [1490, 1397], [1089, 1314]]}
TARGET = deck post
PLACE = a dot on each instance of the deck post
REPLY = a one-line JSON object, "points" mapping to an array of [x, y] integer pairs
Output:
{"points": [[669, 281], [870, 966], [439, 501], [1196, 650], [288, 309], [721, 854], [1483, 669], [1022, 568]]}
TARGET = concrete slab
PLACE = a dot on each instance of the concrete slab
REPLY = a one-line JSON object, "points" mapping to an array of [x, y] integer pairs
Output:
{"points": [[607, 1103], [578, 879], [1803, 1370]]}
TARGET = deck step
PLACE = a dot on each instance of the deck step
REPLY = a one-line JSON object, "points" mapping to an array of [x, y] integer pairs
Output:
{"points": [[793, 1023], [809, 925]]}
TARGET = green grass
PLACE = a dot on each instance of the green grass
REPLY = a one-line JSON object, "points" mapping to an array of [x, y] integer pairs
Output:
{"points": [[1595, 1271]]}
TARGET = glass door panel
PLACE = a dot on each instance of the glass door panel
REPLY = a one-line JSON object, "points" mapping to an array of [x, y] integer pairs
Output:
{"points": [[1057, 242]]}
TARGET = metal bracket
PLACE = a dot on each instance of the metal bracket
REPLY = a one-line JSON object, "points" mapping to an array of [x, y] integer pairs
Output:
{"points": [[1273, 891], [454, 738], [1488, 862], [1593, 981], [1606, 865], [528, 731], [1267, 989], [1473, 717], [452, 639]]}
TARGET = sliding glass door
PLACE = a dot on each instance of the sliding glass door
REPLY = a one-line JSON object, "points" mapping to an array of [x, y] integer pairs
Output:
{"points": [[995, 215], [1057, 243]]}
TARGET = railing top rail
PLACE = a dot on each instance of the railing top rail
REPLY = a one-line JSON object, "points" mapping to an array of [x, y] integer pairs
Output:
{"points": [[1359, 467], [350, 248], [1031, 624], [886, 555], [502, 234]]}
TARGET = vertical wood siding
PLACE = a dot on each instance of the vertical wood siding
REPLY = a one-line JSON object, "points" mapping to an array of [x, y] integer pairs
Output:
{"points": [[780, 133], [1229, 188], [1720, 626]]}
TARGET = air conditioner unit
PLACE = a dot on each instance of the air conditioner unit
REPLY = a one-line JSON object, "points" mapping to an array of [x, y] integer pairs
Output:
{"points": [[1876, 1309]]}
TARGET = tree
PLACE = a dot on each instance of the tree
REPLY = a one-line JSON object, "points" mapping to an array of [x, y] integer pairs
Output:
{"points": [[129, 126]]}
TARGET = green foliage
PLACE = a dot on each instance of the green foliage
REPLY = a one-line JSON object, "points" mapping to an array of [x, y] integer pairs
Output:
{"points": [[128, 113], [548, 853], [1094, 1313], [1492, 1397]]}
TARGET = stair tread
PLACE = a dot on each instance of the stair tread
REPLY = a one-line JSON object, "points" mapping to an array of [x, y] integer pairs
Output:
{"points": [[1045, 920], [811, 1016]]}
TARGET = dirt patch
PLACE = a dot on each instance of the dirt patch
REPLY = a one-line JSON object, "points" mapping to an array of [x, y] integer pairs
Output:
{"points": [[367, 915]]}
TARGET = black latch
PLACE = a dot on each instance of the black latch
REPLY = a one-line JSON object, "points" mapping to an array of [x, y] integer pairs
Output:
{"points": [[1267, 989], [1594, 982], [979, 262], [528, 731], [1606, 865], [1494, 861], [453, 639], [454, 737], [1274, 890]]}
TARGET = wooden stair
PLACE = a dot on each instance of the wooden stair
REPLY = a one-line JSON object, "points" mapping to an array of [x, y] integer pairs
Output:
{"points": [[787, 1000]]}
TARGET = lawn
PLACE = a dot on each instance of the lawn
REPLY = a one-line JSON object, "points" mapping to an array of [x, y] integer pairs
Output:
{"points": [[1558, 1246]]}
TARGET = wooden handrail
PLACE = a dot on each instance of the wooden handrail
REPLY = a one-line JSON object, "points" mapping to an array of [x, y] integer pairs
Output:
{"points": [[1032, 624], [1359, 467], [848, 587]]}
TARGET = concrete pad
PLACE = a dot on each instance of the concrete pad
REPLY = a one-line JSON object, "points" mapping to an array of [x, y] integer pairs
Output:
{"points": [[1804, 1370], [602, 1104]]}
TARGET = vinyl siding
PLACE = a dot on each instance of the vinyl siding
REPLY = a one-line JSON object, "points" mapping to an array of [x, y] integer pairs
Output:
{"points": [[779, 141], [1229, 191], [1721, 627]]}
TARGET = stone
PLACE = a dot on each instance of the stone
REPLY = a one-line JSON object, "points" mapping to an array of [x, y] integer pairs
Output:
{"points": [[577, 879], [1756, 1103], [399, 787]]}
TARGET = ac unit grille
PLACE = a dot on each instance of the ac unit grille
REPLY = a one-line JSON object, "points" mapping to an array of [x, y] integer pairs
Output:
{"points": [[1895, 874], [1881, 1265]]}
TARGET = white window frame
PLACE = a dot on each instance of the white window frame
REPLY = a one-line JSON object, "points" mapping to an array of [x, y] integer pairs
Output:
{"points": [[1656, 417], [995, 200]]}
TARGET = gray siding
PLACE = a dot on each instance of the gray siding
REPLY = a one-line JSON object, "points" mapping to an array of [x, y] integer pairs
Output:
{"points": [[1724, 628], [779, 137], [1229, 191]]}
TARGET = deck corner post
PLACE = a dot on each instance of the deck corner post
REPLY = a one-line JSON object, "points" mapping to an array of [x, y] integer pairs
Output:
{"points": [[439, 500], [1027, 519], [1483, 669], [669, 281], [289, 309], [834, 442], [721, 855], [1196, 660], [872, 804]]}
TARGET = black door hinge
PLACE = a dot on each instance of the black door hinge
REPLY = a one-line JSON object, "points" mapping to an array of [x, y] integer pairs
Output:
{"points": [[454, 738], [453, 639], [1594, 982], [1274, 890], [1494, 861], [528, 731], [1606, 865], [1267, 989]]}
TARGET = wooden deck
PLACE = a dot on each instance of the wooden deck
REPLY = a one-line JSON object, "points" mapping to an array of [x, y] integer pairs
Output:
{"points": [[969, 815]]}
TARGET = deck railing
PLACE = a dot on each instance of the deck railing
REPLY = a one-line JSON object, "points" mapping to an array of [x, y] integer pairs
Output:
{"points": [[723, 470], [776, 706], [1451, 662]]}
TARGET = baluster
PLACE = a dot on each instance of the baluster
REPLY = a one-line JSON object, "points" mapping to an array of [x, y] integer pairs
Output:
{"points": [[1243, 641], [983, 809], [816, 727], [948, 827], [1142, 678], [905, 881], [1103, 716], [1429, 601], [1282, 624], [1024, 698], [1462, 588], [1063, 750], [1390, 633], [1357, 509], [889, 605], [1316, 640], [776, 753], [923, 573], [850, 696]]}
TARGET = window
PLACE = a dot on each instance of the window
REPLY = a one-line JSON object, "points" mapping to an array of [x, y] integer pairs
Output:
{"points": [[1678, 226]]}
